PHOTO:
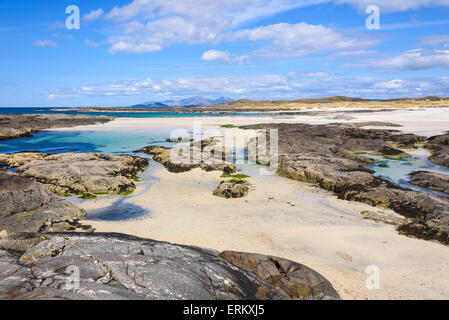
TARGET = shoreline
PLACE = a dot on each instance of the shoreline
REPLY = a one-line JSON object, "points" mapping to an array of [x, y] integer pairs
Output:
{"points": [[436, 120], [320, 231], [286, 218]]}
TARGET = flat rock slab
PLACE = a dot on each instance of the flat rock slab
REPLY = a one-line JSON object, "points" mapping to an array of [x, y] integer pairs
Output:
{"points": [[113, 266], [23, 125], [78, 173], [187, 158]]}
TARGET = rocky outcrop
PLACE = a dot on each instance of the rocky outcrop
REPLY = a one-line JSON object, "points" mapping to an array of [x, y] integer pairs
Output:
{"points": [[27, 206], [189, 157], [439, 146], [331, 156], [78, 173], [431, 180], [296, 280], [232, 189], [113, 266], [23, 125]]}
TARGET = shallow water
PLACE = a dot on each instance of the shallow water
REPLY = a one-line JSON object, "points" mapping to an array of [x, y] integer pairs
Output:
{"points": [[399, 171], [125, 142], [121, 114], [108, 142]]}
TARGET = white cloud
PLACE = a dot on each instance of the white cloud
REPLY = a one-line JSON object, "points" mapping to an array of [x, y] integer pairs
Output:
{"points": [[434, 40], [388, 6], [56, 25], [45, 44], [147, 26], [270, 86], [318, 74], [298, 40], [224, 57], [93, 15], [152, 25], [417, 59], [88, 43], [392, 84]]}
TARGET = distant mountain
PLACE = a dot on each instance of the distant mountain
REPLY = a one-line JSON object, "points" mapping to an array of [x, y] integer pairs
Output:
{"points": [[189, 102]]}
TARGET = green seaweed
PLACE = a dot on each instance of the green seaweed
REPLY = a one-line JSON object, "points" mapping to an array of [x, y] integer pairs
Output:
{"points": [[398, 157], [125, 193], [235, 176], [229, 126], [88, 196]]}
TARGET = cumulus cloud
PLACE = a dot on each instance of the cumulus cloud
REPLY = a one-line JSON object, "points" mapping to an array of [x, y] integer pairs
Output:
{"points": [[147, 26], [298, 40], [93, 15], [417, 59], [270, 86], [45, 44], [224, 57]]}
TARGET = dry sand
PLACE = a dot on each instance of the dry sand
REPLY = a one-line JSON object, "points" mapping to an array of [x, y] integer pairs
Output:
{"points": [[295, 221], [426, 122], [289, 219]]}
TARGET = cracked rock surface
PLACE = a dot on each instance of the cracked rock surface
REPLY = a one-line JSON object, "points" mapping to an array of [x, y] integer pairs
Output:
{"points": [[115, 266], [27, 206], [78, 173]]}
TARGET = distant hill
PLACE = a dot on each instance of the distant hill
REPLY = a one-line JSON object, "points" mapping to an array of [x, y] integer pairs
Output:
{"points": [[428, 98], [189, 102], [274, 103]]}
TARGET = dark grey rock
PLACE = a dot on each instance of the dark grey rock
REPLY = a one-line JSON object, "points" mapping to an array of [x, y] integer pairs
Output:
{"points": [[295, 279], [23, 125], [331, 157], [431, 180], [114, 266], [232, 189], [27, 206], [439, 145]]}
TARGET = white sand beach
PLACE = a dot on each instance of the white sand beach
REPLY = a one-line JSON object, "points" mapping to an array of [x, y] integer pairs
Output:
{"points": [[289, 219]]}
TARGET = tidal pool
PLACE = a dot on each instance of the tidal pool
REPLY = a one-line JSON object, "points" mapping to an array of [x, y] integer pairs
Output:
{"points": [[398, 171]]}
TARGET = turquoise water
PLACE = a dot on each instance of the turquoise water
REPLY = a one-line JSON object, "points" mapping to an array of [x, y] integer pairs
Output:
{"points": [[399, 170], [107, 142], [122, 114]]}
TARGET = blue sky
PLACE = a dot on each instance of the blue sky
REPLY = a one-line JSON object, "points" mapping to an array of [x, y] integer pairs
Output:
{"points": [[132, 51]]}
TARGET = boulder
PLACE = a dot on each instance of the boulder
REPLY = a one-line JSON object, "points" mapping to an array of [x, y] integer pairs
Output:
{"points": [[120, 267], [439, 146], [431, 180], [295, 279], [189, 157], [232, 189], [27, 206]]}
